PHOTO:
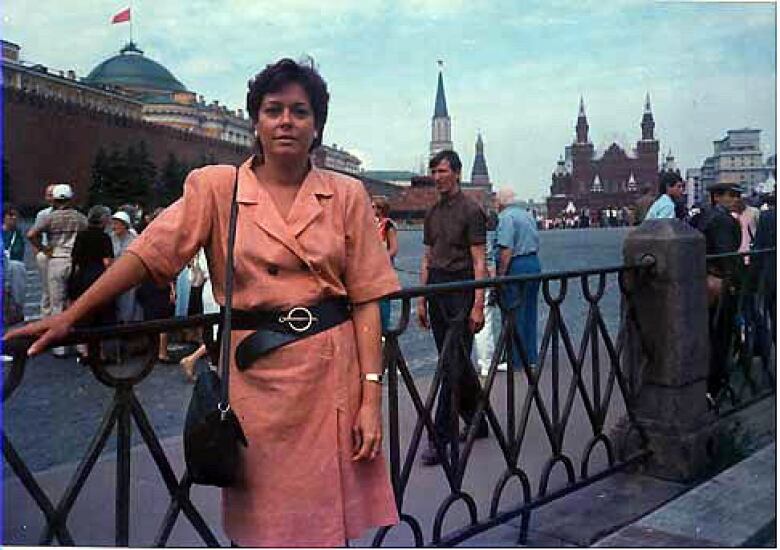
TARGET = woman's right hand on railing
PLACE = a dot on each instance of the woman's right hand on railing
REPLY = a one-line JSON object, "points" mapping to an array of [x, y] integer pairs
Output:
{"points": [[46, 332]]}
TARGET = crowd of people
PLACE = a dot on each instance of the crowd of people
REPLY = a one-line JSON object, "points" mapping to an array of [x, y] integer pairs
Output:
{"points": [[72, 250]]}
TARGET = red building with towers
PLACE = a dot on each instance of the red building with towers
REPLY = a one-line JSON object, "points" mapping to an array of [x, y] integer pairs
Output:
{"points": [[610, 182]]}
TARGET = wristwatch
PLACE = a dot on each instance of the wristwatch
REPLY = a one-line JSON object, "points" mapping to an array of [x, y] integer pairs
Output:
{"points": [[373, 377]]}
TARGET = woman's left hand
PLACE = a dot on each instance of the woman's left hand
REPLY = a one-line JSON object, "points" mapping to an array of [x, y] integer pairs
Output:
{"points": [[367, 432]]}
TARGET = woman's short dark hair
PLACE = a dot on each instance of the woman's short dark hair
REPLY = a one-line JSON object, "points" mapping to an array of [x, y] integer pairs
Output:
{"points": [[450, 156], [286, 71], [9, 208]]}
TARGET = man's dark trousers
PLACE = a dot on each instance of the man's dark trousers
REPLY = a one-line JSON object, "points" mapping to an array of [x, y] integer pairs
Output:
{"points": [[458, 371]]}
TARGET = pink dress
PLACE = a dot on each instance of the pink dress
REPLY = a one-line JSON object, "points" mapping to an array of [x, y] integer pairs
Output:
{"points": [[298, 485]]}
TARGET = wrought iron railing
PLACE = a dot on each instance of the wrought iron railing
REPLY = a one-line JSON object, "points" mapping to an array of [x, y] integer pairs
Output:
{"points": [[577, 396], [743, 330]]}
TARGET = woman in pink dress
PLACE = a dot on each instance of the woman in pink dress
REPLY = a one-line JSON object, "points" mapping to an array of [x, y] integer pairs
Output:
{"points": [[313, 473]]}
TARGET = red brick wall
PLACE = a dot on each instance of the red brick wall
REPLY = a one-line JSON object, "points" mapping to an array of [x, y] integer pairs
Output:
{"points": [[49, 140]]}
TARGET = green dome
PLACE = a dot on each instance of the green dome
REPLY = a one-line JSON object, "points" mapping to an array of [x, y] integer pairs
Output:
{"points": [[132, 71]]}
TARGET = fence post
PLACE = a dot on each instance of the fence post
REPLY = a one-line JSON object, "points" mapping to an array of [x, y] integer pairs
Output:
{"points": [[671, 310]]}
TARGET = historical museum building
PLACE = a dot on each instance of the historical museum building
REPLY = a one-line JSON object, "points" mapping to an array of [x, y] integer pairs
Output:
{"points": [[585, 182]]}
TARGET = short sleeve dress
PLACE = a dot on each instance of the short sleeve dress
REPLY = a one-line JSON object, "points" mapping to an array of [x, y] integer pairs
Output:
{"points": [[298, 485]]}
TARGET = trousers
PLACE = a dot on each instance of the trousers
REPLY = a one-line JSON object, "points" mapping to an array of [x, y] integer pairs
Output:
{"points": [[458, 376], [42, 260], [522, 301]]}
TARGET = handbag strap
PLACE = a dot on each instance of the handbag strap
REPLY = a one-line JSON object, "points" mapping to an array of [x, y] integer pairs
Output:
{"points": [[224, 355]]}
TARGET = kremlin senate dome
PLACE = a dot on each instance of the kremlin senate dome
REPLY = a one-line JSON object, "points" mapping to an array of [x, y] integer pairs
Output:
{"points": [[132, 71]]}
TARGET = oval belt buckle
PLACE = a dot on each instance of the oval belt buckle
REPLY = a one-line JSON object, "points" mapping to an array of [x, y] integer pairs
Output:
{"points": [[291, 318]]}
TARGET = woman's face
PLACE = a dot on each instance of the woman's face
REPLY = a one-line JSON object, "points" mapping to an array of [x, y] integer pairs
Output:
{"points": [[119, 227], [285, 123]]}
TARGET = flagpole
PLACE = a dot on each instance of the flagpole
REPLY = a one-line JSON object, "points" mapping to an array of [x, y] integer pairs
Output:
{"points": [[131, 20]]}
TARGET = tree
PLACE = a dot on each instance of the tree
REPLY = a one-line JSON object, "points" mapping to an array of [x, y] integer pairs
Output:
{"points": [[122, 178], [172, 180]]}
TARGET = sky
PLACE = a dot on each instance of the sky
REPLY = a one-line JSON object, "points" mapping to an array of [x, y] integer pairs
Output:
{"points": [[513, 70]]}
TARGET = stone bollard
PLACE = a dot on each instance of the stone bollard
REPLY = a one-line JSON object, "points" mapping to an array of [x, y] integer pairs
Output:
{"points": [[671, 308]]}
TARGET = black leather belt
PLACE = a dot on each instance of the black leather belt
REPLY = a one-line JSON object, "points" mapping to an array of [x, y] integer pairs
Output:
{"points": [[274, 329]]}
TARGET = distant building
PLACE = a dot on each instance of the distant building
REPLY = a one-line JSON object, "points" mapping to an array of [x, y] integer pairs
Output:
{"points": [[166, 101], [609, 182], [38, 80], [334, 158], [694, 189], [397, 177], [737, 158]]}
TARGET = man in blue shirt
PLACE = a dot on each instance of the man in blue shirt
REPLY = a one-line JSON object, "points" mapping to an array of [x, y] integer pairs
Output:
{"points": [[672, 188], [516, 254]]}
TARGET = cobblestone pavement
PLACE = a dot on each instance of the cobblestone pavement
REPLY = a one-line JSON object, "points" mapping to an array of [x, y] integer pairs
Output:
{"points": [[55, 412]]}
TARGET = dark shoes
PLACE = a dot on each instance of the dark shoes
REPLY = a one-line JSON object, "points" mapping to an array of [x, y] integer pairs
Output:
{"points": [[482, 431], [430, 456]]}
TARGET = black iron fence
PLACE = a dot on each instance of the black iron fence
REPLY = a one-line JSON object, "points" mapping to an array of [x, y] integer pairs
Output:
{"points": [[553, 423], [743, 330]]}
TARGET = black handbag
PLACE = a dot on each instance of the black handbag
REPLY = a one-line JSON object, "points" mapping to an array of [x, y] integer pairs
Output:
{"points": [[212, 432]]}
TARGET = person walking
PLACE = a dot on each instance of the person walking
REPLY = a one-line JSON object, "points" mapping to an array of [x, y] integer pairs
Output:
{"points": [[313, 472], [722, 235], [672, 188], [92, 254], [388, 235], [766, 265], [516, 254], [454, 236], [61, 225]]}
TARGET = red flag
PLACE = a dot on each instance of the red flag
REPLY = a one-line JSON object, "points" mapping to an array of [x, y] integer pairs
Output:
{"points": [[121, 17]]}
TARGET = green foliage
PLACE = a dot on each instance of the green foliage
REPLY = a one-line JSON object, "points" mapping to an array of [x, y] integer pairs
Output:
{"points": [[171, 182], [122, 177]]}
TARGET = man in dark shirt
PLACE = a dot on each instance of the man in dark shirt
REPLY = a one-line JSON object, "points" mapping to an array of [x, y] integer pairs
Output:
{"points": [[454, 238], [722, 234]]}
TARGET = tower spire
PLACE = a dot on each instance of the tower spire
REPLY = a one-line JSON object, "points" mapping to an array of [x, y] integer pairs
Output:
{"points": [[479, 172], [648, 124], [582, 124], [440, 125], [440, 107]]}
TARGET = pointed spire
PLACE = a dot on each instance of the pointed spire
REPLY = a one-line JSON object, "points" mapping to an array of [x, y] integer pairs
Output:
{"points": [[648, 109], [582, 124], [440, 108], [479, 172]]}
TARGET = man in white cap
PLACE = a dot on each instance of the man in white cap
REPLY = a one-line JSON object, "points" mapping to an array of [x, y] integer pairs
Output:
{"points": [[61, 226]]}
